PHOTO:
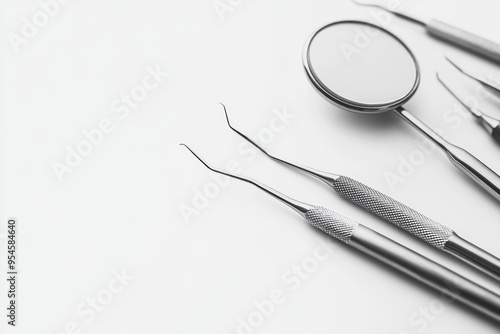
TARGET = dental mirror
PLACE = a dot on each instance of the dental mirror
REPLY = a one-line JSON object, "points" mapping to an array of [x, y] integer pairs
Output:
{"points": [[364, 68]]}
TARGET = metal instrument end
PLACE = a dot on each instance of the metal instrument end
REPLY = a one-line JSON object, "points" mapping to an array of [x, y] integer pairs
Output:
{"points": [[328, 178], [489, 123], [455, 65], [386, 8], [473, 111], [376, 5], [483, 81], [243, 135], [300, 207]]}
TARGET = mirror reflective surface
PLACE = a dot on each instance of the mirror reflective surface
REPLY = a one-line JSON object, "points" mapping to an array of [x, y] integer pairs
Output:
{"points": [[361, 66]]}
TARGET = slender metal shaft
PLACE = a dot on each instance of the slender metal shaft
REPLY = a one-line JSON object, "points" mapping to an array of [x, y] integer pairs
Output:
{"points": [[396, 212], [463, 160], [450, 284], [300, 207], [472, 254], [402, 14], [328, 178], [492, 87], [389, 252], [446, 32], [491, 124]]}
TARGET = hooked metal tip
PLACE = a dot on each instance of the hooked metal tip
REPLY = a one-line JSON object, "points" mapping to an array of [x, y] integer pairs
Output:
{"points": [[300, 207], [247, 138], [438, 77], [202, 161], [395, 12], [361, 3], [492, 87], [450, 90], [473, 111], [328, 178], [455, 65]]}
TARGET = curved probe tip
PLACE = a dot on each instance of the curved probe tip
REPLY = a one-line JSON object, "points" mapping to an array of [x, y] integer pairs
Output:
{"points": [[243, 135], [227, 117], [441, 81], [318, 174], [454, 64], [357, 2], [301, 208], [200, 159]]}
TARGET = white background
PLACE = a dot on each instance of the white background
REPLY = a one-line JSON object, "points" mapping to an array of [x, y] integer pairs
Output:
{"points": [[120, 208]]}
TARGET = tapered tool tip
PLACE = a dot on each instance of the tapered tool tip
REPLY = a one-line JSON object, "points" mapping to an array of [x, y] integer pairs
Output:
{"points": [[440, 79], [453, 63], [200, 159], [301, 208]]}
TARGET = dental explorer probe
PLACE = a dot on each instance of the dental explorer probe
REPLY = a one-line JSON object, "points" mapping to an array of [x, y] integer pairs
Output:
{"points": [[491, 124], [488, 84], [446, 32], [430, 231], [387, 251]]}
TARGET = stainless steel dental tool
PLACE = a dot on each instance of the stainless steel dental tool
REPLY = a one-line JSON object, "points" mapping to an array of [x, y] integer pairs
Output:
{"points": [[387, 251], [430, 231], [488, 84], [491, 124], [447, 32], [363, 68]]}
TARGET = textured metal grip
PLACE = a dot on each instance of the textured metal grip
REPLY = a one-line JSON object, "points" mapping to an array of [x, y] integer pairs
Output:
{"points": [[330, 222], [393, 211], [464, 39]]}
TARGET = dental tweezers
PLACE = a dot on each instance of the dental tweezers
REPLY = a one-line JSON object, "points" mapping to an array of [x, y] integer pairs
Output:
{"points": [[387, 251], [397, 213]]}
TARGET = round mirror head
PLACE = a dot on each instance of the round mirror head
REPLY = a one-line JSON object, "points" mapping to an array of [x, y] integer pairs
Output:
{"points": [[361, 67]]}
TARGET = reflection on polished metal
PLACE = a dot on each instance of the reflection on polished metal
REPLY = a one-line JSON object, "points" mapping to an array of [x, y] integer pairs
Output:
{"points": [[397, 213], [361, 67], [389, 252], [348, 73], [491, 124], [446, 32]]}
